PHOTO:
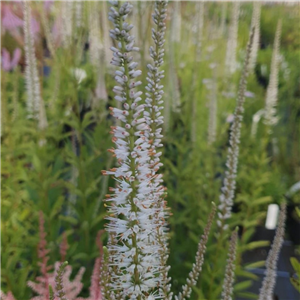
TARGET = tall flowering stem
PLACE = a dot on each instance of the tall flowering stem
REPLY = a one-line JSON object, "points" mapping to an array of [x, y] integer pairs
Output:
{"points": [[230, 267], [106, 39], [48, 34], [230, 60], [255, 22], [228, 190], [43, 285], [97, 53], [266, 291], [35, 104], [154, 119], [213, 106], [67, 8], [223, 18], [176, 22], [199, 29], [272, 90], [174, 84], [79, 13], [31, 76], [197, 266], [131, 206]]}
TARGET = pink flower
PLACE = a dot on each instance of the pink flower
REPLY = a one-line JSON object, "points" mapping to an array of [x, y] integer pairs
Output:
{"points": [[9, 20], [230, 118], [9, 296], [249, 94], [35, 27], [47, 4], [56, 30], [7, 63]]}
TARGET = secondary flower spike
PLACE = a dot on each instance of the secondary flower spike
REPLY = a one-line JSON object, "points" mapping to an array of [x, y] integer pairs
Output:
{"points": [[154, 119], [228, 190]]}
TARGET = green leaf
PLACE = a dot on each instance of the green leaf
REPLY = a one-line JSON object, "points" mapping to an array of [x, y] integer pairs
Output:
{"points": [[172, 167], [92, 187], [250, 224], [255, 265], [242, 285], [57, 207], [69, 219], [36, 163], [247, 235], [296, 264], [254, 245], [247, 295], [261, 201], [85, 225], [246, 274], [97, 220], [87, 120], [83, 256]]}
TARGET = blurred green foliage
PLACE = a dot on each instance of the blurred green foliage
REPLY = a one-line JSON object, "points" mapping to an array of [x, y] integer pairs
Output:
{"points": [[63, 177]]}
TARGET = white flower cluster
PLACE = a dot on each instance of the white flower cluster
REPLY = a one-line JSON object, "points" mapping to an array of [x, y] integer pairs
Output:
{"points": [[230, 60], [213, 105], [95, 44], [230, 267], [31, 73], [271, 118], [35, 104], [255, 22], [135, 254], [198, 28], [97, 54], [268, 285], [176, 22], [154, 102], [105, 34], [67, 8]]}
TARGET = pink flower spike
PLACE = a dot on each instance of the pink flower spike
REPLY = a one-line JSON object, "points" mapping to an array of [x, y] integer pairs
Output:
{"points": [[95, 288], [249, 94], [56, 30], [8, 64], [35, 27], [48, 4], [230, 118], [9, 296], [5, 60], [16, 58], [9, 20]]}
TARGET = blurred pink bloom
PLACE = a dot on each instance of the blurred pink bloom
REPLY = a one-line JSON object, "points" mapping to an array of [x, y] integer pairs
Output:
{"points": [[48, 4], [9, 296], [35, 27], [56, 30], [249, 94], [230, 118], [228, 94], [72, 288], [9, 20], [7, 63]]}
